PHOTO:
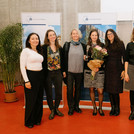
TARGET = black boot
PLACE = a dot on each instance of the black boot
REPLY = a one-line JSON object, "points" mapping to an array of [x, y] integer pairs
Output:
{"points": [[117, 111], [57, 112], [117, 104], [131, 117], [71, 111], [78, 110], [51, 116], [112, 112]]}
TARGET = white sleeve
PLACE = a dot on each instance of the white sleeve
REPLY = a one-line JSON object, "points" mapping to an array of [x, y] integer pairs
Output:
{"points": [[23, 59]]}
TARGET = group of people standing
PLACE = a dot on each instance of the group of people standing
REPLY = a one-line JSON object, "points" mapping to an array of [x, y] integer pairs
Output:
{"points": [[42, 66]]}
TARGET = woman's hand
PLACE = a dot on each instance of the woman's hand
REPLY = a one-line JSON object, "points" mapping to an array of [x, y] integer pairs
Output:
{"points": [[127, 77], [28, 85], [58, 66], [122, 75], [64, 74], [84, 57]]}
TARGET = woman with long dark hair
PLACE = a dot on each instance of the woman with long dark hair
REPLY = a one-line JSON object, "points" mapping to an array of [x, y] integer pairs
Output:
{"points": [[31, 69], [129, 73], [98, 81], [114, 67], [52, 67]]}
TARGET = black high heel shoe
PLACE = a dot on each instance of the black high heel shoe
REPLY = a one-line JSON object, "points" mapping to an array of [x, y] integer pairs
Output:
{"points": [[94, 111], [101, 112]]}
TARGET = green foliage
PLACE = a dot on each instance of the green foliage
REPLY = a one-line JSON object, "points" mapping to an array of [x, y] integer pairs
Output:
{"points": [[10, 48], [97, 54]]}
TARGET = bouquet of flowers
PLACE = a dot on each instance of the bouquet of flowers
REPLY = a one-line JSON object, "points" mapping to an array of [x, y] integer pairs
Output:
{"points": [[98, 54]]}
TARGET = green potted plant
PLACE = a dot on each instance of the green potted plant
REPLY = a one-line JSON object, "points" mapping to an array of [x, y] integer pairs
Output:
{"points": [[10, 48]]}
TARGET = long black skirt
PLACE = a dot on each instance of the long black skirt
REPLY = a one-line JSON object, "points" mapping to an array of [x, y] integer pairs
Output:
{"points": [[34, 98]]}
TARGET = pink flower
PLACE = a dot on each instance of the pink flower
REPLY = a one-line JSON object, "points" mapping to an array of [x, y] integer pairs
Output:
{"points": [[98, 48], [104, 51]]}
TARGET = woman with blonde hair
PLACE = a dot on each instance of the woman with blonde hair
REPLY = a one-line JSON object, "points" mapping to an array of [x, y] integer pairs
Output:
{"points": [[129, 73], [73, 69]]}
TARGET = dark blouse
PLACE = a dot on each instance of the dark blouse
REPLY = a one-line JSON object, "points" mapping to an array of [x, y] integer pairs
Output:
{"points": [[129, 53]]}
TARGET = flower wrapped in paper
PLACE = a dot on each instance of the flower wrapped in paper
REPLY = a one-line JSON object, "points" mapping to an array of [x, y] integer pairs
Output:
{"points": [[98, 54]]}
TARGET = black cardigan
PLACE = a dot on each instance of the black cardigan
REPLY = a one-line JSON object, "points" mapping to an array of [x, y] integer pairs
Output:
{"points": [[65, 54], [44, 64]]}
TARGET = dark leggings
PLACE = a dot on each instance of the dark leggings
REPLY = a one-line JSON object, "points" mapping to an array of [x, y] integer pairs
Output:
{"points": [[55, 78], [131, 97], [114, 99]]}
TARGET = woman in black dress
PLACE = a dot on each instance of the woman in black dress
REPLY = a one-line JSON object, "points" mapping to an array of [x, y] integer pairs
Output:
{"points": [[114, 70]]}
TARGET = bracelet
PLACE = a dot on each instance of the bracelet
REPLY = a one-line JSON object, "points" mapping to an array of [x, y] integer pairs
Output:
{"points": [[26, 81]]}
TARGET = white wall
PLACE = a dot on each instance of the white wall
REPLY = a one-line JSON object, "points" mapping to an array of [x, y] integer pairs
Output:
{"points": [[10, 11]]}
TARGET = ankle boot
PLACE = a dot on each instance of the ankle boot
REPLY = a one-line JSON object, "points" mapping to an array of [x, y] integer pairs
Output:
{"points": [[131, 117], [112, 112], [51, 116], [117, 104], [57, 112], [117, 111], [111, 97]]}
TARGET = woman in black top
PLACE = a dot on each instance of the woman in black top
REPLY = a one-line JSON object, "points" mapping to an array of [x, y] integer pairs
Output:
{"points": [[114, 69], [98, 81], [129, 73], [52, 67]]}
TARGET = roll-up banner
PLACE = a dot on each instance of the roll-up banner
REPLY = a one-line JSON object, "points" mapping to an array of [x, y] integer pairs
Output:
{"points": [[39, 23], [101, 22]]}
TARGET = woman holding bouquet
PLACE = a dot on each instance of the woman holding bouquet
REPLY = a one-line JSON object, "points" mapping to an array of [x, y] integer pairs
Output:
{"points": [[114, 69], [98, 81]]}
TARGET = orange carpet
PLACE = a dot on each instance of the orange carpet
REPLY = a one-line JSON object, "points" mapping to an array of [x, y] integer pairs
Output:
{"points": [[12, 119]]}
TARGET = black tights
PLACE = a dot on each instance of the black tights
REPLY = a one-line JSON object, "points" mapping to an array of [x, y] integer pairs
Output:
{"points": [[100, 95], [131, 97], [114, 99]]}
